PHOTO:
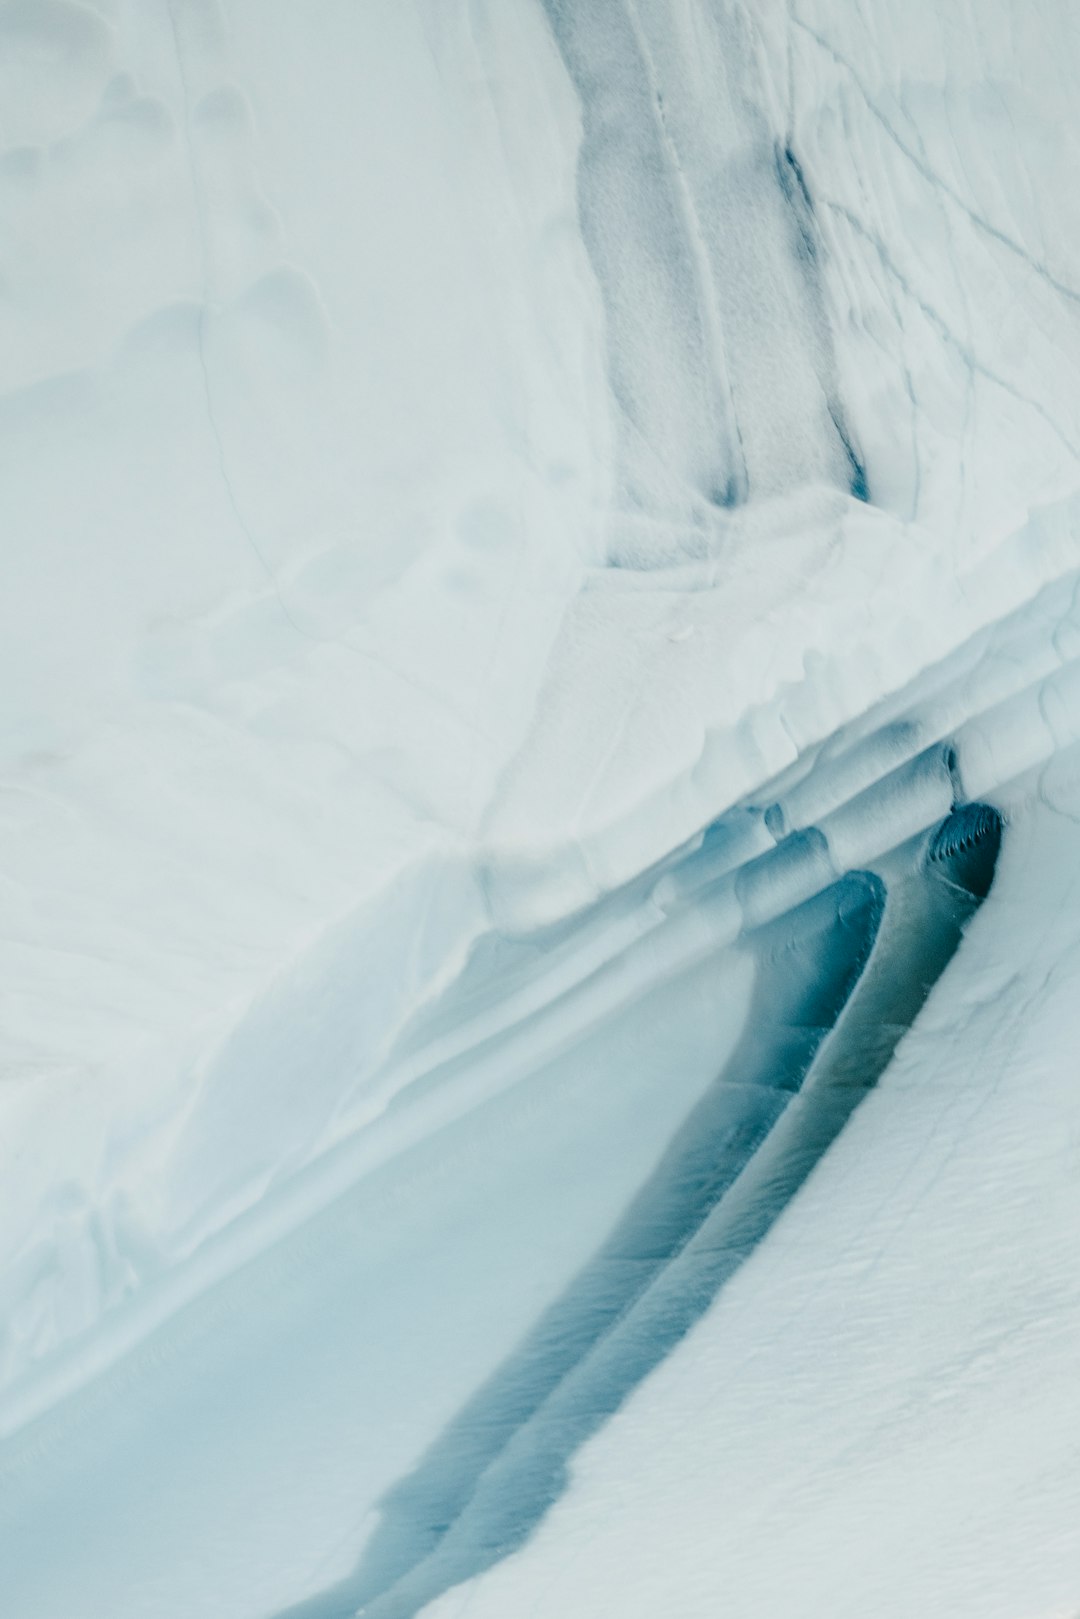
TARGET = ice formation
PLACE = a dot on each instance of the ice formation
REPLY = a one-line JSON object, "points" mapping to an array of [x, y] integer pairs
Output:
{"points": [[541, 809]]}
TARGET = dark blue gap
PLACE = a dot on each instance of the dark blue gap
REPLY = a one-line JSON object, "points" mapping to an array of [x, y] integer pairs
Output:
{"points": [[738, 1159]]}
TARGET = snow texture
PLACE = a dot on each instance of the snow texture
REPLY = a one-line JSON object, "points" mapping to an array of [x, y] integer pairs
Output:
{"points": [[540, 790]]}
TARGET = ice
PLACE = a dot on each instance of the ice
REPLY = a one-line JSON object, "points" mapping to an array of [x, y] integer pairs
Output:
{"points": [[837, 1409], [541, 597]]}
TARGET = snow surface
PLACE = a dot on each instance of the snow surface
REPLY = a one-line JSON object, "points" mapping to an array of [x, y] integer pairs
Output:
{"points": [[526, 522]]}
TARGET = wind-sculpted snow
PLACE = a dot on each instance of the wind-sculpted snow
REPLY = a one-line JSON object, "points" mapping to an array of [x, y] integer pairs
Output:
{"points": [[631, 1010], [539, 720], [479, 1490], [301, 615], [820, 1398], [725, 1177]]}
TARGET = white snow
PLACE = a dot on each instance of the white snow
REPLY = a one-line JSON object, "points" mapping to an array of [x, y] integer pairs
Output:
{"points": [[879, 1413], [503, 499]]}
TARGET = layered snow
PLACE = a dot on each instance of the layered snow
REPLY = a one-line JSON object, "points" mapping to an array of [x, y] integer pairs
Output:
{"points": [[879, 1413], [542, 550], [291, 518]]}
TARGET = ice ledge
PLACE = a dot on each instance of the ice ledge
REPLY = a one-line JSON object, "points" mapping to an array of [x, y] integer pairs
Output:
{"points": [[676, 693], [477, 1012]]}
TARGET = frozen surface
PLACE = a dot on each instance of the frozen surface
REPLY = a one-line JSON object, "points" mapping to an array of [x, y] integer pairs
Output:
{"points": [[541, 559]]}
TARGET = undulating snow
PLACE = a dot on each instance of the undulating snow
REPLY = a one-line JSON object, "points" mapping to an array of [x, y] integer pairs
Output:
{"points": [[540, 787]]}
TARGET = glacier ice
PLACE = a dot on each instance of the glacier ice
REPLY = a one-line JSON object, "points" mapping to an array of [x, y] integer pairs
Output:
{"points": [[538, 759]]}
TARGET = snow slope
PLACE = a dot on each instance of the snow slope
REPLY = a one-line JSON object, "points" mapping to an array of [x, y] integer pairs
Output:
{"points": [[286, 549], [879, 1413], [532, 530]]}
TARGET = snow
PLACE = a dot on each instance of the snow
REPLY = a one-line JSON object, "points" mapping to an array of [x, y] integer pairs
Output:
{"points": [[878, 1414], [280, 589], [524, 520]]}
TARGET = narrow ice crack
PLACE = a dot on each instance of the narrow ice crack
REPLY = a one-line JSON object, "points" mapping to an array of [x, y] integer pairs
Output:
{"points": [[931, 176], [942, 326]]}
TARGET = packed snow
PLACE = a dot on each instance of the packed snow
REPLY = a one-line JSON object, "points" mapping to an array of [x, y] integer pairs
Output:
{"points": [[540, 776]]}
